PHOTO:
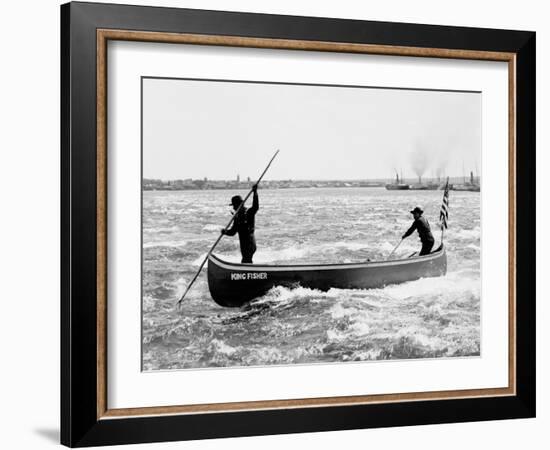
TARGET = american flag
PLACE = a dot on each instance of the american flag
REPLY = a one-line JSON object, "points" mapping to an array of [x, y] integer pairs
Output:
{"points": [[444, 211]]}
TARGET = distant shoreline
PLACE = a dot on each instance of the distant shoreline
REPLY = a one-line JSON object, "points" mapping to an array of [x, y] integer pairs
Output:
{"points": [[264, 185], [207, 185]]}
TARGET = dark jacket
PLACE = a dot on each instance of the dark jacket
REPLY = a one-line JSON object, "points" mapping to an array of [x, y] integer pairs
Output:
{"points": [[423, 227], [244, 225]]}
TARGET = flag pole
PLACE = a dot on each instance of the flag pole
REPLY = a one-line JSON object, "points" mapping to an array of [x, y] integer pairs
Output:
{"points": [[443, 219]]}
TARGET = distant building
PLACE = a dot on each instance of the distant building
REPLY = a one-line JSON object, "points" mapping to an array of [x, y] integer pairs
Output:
{"points": [[248, 179], [238, 178]]}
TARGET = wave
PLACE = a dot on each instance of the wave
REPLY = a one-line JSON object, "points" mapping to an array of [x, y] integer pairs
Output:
{"points": [[198, 261], [149, 302], [168, 331], [451, 284], [462, 284], [212, 227], [386, 247], [279, 296], [173, 244], [270, 255], [154, 230], [457, 284], [474, 233], [220, 347]]}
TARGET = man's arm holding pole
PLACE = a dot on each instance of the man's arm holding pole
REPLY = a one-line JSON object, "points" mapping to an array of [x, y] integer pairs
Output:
{"points": [[231, 231], [409, 231]]}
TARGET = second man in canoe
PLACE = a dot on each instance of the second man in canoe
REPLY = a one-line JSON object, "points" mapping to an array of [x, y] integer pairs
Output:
{"points": [[421, 225]]}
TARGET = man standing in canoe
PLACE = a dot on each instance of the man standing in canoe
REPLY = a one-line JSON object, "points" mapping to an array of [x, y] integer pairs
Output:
{"points": [[421, 225], [244, 225]]}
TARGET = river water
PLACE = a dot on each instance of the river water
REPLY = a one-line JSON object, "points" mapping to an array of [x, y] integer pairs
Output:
{"points": [[427, 318]]}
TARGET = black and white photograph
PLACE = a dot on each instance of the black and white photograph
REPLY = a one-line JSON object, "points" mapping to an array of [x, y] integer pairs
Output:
{"points": [[277, 224], [298, 224]]}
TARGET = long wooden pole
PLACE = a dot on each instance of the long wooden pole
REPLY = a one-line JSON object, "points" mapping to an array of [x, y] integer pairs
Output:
{"points": [[226, 227], [395, 248]]}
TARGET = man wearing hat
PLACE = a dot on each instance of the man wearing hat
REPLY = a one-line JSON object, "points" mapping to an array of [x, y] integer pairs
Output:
{"points": [[421, 225], [244, 225]]}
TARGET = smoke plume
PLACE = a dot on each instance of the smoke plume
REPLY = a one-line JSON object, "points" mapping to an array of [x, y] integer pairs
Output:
{"points": [[419, 161]]}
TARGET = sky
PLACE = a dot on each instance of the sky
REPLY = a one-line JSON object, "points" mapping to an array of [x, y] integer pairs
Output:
{"points": [[220, 129]]}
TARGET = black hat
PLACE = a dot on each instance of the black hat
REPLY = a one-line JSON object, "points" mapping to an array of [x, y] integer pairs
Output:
{"points": [[417, 209], [236, 200]]}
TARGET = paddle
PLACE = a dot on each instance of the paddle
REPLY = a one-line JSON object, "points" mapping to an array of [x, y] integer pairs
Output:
{"points": [[226, 227], [395, 248]]}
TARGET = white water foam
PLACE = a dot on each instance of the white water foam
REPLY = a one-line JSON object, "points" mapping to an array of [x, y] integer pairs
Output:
{"points": [[217, 346], [467, 234], [452, 283], [270, 255], [282, 296], [172, 244], [212, 227]]}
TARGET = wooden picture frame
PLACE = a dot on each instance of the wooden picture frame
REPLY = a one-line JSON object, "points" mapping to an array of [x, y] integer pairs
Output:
{"points": [[86, 418]]}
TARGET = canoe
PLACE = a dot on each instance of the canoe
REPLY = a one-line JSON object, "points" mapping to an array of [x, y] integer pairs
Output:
{"points": [[234, 284]]}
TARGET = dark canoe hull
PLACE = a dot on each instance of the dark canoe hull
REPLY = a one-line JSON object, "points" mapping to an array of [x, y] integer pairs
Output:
{"points": [[233, 284]]}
